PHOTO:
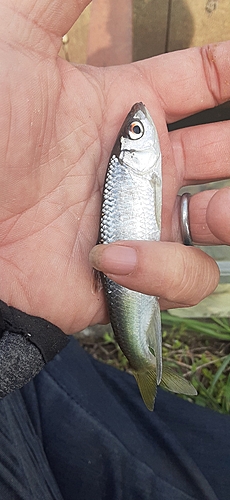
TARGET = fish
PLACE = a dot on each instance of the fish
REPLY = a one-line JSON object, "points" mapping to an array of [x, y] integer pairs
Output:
{"points": [[131, 210]]}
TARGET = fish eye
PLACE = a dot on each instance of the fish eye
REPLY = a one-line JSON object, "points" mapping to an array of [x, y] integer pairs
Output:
{"points": [[136, 130]]}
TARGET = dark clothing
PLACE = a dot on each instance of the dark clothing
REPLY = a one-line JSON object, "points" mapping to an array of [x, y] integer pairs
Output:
{"points": [[26, 344], [80, 431]]}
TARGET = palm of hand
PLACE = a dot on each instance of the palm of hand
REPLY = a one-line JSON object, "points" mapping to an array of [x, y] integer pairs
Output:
{"points": [[49, 192], [53, 164], [58, 124]]}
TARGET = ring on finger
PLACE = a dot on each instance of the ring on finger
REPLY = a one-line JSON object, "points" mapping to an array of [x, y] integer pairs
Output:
{"points": [[184, 219]]}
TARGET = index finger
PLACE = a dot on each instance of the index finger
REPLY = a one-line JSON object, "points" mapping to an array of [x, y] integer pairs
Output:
{"points": [[191, 80]]}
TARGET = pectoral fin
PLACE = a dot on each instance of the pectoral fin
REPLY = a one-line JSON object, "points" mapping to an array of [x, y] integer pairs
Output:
{"points": [[96, 281], [154, 338]]}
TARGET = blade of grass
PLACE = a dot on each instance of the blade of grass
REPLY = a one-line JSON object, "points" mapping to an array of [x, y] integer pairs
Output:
{"points": [[219, 373], [204, 328], [226, 398], [202, 391], [223, 323]]}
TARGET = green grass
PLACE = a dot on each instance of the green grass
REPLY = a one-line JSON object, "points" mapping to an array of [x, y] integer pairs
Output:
{"points": [[198, 349], [218, 328]]}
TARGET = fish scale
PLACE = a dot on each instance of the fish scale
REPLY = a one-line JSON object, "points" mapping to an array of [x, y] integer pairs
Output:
{"points": [[128, 208]]}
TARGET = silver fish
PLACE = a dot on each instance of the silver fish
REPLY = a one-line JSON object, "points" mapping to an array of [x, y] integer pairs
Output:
{"points": [[131, 210]]}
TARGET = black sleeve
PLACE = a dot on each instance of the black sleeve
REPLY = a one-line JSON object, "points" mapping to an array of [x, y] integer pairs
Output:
{"points": [[26, 344]]}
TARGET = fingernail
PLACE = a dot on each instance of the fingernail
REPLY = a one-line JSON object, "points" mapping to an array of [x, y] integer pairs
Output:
{"points": [[113, 259]]}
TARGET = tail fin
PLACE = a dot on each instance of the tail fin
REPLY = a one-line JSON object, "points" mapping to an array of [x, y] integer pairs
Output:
{"points": [[176, 383], [147, 384]]}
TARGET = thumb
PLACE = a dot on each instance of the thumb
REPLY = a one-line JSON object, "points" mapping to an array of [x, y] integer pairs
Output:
{"points": [[168, 270]]}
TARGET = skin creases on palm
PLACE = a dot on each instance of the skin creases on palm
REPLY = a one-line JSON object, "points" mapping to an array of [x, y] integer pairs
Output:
{"points": [[58, 124]]}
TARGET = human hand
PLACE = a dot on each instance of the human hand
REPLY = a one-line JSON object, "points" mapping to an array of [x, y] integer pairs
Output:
{"points": [[58, 124]]}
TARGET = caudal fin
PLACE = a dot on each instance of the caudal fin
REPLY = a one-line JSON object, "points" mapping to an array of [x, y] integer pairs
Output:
{"points": [[176, 383], [147, 384]]}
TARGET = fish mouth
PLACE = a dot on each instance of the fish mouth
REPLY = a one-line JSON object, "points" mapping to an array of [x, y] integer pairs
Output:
{"points": [[138, 106]]}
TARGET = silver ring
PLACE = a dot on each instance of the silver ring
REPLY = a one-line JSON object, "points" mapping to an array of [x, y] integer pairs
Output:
{"points": [[184, 219]]}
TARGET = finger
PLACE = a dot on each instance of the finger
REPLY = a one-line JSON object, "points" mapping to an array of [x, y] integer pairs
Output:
{"points": [[166, 304], [218, 215], [209, 217], [172, 271], [202, 153], [25, 22], [201, 79]]}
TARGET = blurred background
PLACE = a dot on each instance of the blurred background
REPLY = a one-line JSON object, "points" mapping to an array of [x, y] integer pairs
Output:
{"points": [[111, 32]]}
